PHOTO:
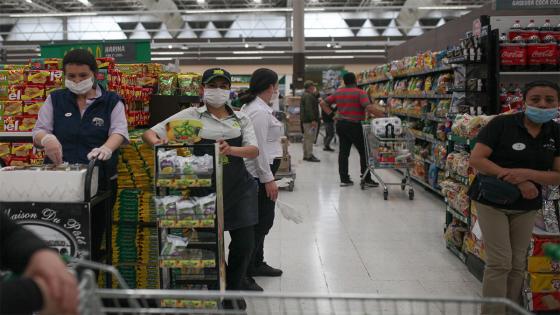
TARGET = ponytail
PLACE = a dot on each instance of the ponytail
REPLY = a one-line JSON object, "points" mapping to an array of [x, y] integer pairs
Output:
{"points": [[261, 80]]}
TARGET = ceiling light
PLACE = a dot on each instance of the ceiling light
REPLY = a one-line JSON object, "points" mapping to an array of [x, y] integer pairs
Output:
{"points": [[168, 53], [185, 47], [444, 8], [85, 2], [257, 1], [329, 45], [260, 46], [170, 46], [246, 45], [200, 1], [161, 58], [28, 1], [249, 10], [337, 45], [239, 58], [258, 52], [356, 51], [329, 57], [23, 15]]}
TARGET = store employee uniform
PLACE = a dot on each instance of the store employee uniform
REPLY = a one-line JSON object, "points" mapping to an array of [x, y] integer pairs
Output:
{"points": [[268, 131], [239, 187], [507, 230]]}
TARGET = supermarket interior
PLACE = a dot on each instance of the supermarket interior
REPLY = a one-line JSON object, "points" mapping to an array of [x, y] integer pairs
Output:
{"points": [[166, 202]]}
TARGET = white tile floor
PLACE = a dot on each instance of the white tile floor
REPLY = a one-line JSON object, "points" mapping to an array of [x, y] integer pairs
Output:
{"points": [[352, 241]]}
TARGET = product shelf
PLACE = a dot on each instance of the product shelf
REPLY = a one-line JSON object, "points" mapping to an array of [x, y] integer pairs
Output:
{"points": [[457, 252], [458, 215], [408, 75], [520, 73], [425, 137], [423, 183], [461, 179], [187, 263], [422, 96]]}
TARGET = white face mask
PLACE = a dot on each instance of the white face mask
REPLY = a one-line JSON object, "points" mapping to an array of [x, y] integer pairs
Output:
{"points": [[275, 99], [81, 87], [216, 97]]}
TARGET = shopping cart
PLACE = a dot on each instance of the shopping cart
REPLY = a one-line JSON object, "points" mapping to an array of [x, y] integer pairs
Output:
{"points": [[389, 152], [126, 301]]}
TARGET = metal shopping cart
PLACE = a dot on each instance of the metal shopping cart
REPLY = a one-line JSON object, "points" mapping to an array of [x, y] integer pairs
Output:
{"points": [[389, 152], [126, 301]]}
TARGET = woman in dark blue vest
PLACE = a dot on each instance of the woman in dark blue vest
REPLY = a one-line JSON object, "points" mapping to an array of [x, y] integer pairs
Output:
{"points": [[82, 122]]}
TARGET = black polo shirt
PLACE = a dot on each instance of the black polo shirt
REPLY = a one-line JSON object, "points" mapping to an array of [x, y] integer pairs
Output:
{"points": [[513, 147]]}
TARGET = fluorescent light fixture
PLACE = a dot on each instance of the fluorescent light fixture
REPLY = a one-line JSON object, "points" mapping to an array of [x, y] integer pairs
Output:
{"points": [[23, 15], [85, 2], [170, 46], [200, 1], [240, 58], [258, 52], [257, 1], [249, 10], [161, 58], [246, 45], [168, 53], [457, 7], [329, 45], [185, 47], [356, 51], [28, 1], [329, 57]]}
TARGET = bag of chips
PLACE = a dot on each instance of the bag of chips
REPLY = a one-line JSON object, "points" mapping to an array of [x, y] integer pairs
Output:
{"points": [[189, 84], [167, 83]]}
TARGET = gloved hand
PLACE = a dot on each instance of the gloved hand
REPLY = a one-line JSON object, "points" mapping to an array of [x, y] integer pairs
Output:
{"points": [[102, 153], [53, 148]]}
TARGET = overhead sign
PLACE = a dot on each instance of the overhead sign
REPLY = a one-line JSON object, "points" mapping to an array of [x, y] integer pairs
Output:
{"points": [[123, 52], [527, 4]]}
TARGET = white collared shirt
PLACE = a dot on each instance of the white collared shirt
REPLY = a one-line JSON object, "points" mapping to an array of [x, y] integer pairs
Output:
{"points": [[268, 131], [214, 128]]}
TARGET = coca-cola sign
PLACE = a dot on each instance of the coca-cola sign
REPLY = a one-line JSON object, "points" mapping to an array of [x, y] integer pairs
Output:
{"points": [[542, 54], [526, 4], [513, 55]]}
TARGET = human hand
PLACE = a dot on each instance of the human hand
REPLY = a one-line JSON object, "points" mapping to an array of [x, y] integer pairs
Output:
{"points": [[528, 190], [102, 153], [58, 286], [514, 175], [271, 190], [225, 148], [53, 148], [161, 142]]}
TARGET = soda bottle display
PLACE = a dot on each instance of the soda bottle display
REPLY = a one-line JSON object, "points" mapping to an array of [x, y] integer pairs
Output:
{"points": [[515, 30], [513, 54], [551, 53], [536, 53]]}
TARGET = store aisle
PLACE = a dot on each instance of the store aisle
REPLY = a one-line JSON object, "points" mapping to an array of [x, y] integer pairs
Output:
{"points": [[353, 241]]}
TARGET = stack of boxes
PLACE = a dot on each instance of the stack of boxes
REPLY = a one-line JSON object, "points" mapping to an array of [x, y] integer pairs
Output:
{"points": [[293, 116]]}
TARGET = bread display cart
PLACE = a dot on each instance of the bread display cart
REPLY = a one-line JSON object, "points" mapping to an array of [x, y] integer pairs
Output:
{"points": [[55, 202]]}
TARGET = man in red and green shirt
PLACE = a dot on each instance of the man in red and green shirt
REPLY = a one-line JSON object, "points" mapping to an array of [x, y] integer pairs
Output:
{"points": [[353, 107]]}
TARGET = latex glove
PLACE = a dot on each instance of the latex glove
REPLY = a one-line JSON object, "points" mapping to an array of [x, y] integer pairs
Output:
{"points": [[53, 148], [528, 190], [271, 190], [102, 153], [55, 281], [289, 212]]}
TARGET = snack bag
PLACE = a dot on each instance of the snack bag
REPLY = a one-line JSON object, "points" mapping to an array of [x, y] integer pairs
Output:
{"points": [[12, 123], [4, 77], [52, 64], [17, 161], [56, 77], [51, 88], [33, 92], [15, 92], [22, 149], [167, 83], [105, 63], [37, 64], [12, 108], [38, 76], [184, 130], [27, 123], [5, 149], [15, 77], [189, 83], [31, 107]]}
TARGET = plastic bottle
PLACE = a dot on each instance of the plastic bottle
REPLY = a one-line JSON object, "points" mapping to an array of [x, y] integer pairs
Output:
{"points": [[535, 51], [513, 53]]}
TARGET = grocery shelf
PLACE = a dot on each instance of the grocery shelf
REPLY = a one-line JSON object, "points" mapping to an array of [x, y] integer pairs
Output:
{"points": [[460, 140], [458, 215], [16, 136], [554, 73], [423, 183], [187, 263], [409, 75], [430, 117], [457, 252], [426, 96], [429, 139], [461, 179]]}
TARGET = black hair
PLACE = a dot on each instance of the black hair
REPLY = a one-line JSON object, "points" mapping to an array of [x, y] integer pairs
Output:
{"points": [[540, 83], [261, 80], [349, 79], [80, 57]]}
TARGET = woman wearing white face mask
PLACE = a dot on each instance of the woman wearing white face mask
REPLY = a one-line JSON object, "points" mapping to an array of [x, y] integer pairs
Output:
{"points": [[236, 137], [263, 93], [83, 122]]}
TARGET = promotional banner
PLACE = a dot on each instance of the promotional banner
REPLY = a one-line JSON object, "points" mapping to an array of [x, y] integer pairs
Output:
{"points": [[123, 52]]}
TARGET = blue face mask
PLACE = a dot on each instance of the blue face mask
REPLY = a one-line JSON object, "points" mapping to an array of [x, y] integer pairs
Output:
{"points": [[540, 115]]}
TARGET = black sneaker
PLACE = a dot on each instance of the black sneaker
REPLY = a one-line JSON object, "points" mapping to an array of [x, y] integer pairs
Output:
{"points": [[251, 285], [346, 183], [264, 270], [371, 183], [234, 304], [328, 149], [312, 159]]}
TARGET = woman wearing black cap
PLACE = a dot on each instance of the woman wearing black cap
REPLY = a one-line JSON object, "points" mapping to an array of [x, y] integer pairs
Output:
{"points": [[263, 92], [234, 133]]}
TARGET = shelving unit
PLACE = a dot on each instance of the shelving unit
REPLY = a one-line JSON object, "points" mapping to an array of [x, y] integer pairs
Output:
{"points": [[208, 267]]}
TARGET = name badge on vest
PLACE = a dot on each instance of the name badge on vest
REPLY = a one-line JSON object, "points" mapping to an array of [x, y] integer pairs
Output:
{"points": [[68, 114], [98, 122]]}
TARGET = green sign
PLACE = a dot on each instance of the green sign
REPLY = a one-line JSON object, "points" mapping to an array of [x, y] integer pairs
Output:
{"points": [[527, 4], [123, 52]]}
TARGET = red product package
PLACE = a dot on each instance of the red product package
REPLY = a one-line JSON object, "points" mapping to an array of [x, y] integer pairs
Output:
{"points": [[105, 63], [513, 55], [33, 92], [12, 123], [17, 161], [56, 78], [22, 149], [38, 76], [53, 63], [15, 92], [538, 242], [32, 107], [50, 88], [542, 54], [27, 123], [543, 301], [12, 108], [15, 77]]}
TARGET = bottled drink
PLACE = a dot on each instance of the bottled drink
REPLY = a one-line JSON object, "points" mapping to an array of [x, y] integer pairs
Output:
{"points": [[536, 53], [550, 52], [513, 53], [515, 30]]}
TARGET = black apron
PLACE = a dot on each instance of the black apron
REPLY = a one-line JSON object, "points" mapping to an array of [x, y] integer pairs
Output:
{"points": [[240, 190]]}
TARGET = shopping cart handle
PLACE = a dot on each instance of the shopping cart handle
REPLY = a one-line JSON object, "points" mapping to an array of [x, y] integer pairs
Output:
{"points": [[89, 178]]}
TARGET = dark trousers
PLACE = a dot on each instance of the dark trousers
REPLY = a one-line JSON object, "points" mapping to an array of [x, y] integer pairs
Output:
{"points": [[350, 133], [266, 220], [99, 215], [240, 253], [329, 133]]}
